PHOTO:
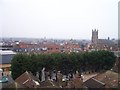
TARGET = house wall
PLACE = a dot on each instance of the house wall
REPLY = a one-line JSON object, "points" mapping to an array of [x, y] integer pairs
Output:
{"points": [[6, 68]]}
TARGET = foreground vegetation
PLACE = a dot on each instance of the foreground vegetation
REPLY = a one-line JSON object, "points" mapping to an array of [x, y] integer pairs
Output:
{"points": [[66, 63]]}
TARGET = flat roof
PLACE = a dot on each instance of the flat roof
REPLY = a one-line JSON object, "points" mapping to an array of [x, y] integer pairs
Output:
{"points": [[4, 52]]}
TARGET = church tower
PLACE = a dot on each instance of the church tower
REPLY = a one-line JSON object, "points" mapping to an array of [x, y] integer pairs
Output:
{"points": [[94, 36]]}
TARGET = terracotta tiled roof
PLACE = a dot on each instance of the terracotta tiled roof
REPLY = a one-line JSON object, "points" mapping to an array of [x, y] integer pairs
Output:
{"points": [[110, 78], [28, 80]]}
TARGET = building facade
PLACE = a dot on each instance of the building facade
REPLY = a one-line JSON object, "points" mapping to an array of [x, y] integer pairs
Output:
{"points": [[5, 63]]}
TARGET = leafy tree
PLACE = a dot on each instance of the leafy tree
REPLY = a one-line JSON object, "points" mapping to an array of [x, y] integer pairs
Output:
{"points": [[20, 63], [66, 63]]}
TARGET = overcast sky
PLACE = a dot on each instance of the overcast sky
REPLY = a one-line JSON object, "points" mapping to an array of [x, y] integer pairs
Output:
{"points": [[63, 19]]}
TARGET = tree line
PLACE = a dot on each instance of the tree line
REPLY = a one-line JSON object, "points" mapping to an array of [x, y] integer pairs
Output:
{"points": [[94, 61]]}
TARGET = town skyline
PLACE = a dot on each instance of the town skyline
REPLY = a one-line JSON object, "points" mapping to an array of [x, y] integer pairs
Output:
{"points": [[59, 44], [46, 38], [59, 19]]}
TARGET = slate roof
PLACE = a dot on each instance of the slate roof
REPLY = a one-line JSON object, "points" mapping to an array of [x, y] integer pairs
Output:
{"points": [[93, 83], [6, 59], [6, 56], [106, 42]]}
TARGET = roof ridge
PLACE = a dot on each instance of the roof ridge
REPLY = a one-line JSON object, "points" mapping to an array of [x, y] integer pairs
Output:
{"points": [[98, 81]]}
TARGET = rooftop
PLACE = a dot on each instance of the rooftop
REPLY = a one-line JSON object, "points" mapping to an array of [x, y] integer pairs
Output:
{"points": [[93, 83], [110, 78], [4, 52]]}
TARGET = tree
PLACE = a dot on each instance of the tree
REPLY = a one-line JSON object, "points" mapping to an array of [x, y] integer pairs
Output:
{"points": [[19, 64], [66, 63]]}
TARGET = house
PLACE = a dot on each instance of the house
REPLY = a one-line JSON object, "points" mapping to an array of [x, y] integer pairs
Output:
{"points": [[23, 47], [110, 78], [51, 48], [28, 80], [5, 63], [70, 47], [37, 48]]}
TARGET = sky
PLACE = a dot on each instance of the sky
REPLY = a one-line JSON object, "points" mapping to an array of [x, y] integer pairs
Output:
{"points": [[58, 19]]}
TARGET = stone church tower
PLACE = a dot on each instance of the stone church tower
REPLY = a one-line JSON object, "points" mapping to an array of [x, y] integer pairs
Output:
{"points": [[95, 36]]}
